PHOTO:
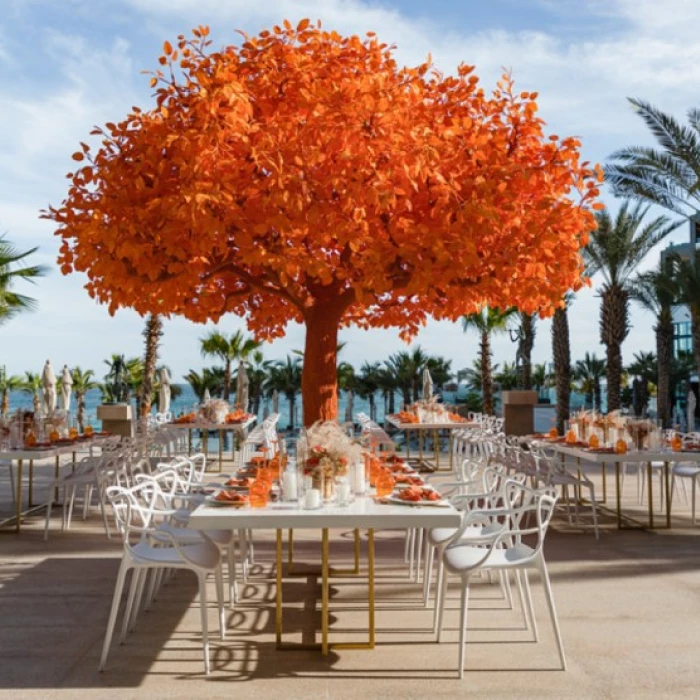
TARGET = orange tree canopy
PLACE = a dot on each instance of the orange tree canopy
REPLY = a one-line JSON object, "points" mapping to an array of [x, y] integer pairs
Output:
{"points": [[305, 176]]}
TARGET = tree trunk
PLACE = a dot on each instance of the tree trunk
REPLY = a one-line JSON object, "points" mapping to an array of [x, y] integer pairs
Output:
{"points": [[561, 352], [526, 344], [291, 400], [319, 379], [227, 381], [614, 326], [372, 410], [695, 331], [392, 403], [597, 395], [80, 398], [486, 378], [5, 402], [664, 356], [152, 333]]}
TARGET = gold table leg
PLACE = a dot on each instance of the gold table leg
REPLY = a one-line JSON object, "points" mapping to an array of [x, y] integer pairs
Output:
{"points": [[18, 525], [31, 483], [436, 449], [221, 450], [452, 457], [189, 441], [420, 449], [408, 443], [605, 491], [325, 593], [651, 496], [668, 495], [617, 490], [334, 571]]}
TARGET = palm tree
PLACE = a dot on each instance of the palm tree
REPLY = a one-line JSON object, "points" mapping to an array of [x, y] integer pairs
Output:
{"points": [[32, 385], [12, 303], [657, 291], [369, 382], [561, 352], [7, 385], [687, 276], [540, 376], [669, 177], [487, 322], [134, 376], [82, 383], [526, 342], [228, 350], [388, 385], [200, 383], [508, 378], [285, 378], [258, 368], [588, 372], [644, 369], [152, 333], [616, 249]]}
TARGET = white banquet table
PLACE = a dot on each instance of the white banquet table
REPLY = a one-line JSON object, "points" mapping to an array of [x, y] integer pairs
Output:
{"points": [[665, 456], [30, 455], [422, 428], [364, 513]]}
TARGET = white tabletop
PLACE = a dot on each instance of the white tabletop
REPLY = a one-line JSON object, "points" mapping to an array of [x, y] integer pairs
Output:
{"points": [[214, 426], [56, 449], [666, 455], [428, 426], [362, 513]]}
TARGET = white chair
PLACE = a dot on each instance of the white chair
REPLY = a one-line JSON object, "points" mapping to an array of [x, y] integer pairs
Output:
{"points": [[134, 516], [684, 471], [504, 552]]}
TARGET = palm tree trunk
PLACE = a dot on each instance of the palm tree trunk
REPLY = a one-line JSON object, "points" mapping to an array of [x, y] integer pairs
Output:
{"points": [[597, 395], [152, 333], [614, 326], [392, 402], [291, 400], [372, 410], [664, 355], [486, 378], [695, 331], [527, 342], [561, 352], [80, 396], [227, 381], [5, 402]]}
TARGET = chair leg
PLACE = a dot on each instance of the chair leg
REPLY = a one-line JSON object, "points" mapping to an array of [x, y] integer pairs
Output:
{"points": [[419, 552], [523, 604], [463, 624], [441, 606], [128, 610], [137, 601], [243, 549], [411, 552], [693, 494], [232, 572], [438, 592], [673, 489], [203, 613], [428, 574], [505, 585], [552, 610], [530, 606], [49, 504], [218, 577], [406, 545], [116, 600]]}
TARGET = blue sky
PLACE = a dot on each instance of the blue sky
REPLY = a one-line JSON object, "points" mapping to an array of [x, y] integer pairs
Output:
{"points": [[67, 65]]}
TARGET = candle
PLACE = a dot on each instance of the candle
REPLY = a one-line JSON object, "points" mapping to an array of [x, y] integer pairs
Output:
{"points": [[357, 475], [289, 485], [312, 498], [343, 491]]}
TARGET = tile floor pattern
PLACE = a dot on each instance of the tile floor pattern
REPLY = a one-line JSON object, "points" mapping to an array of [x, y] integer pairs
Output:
{"points": [[629, 607]]}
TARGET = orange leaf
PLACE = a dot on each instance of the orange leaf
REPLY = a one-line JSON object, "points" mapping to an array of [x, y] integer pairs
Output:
{"points": [[78, 156]]}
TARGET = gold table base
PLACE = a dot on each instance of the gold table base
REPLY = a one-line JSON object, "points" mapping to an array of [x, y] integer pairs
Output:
{"points": [[326, 572]]}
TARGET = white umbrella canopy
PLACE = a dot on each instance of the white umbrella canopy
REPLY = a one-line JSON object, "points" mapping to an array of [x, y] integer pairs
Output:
{"points": [[207, 396], [692, 403], [275, 401], [242, 385], [427, 385], [164, 393], [66, 388], [48, 382]]}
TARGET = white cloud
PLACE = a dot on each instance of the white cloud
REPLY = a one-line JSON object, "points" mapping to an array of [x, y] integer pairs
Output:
{"points": [[89, 72]]}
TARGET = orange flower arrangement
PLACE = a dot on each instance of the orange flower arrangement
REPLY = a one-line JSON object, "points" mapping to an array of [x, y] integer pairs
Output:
{"points": [[237, 416], [407, 417], [305, 176], [185, 418]]}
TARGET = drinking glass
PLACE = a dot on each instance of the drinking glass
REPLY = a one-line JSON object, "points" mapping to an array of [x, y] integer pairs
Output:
{"points": [[384, 483], [259, 494]]}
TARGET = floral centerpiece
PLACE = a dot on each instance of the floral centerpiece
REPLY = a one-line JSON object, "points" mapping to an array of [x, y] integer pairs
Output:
{"points": [[325, 451], [215, 411], [639, 430]]}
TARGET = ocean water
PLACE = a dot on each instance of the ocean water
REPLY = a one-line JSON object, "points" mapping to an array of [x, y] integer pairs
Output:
{"points": [[187, 400]]}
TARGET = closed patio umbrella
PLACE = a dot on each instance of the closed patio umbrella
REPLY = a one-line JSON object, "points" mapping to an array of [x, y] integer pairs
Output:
{"points": [[242, 387], [427, 385]]}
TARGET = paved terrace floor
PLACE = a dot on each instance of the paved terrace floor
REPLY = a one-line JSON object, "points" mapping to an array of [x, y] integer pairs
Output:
{"points": [[629, 607]]}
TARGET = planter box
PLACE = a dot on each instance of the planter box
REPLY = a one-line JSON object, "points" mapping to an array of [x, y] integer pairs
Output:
{"points": [[519, 412], [116, 418]]}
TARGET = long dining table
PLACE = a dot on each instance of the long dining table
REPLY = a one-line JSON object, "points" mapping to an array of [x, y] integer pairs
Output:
{"points": [[32, 454], [366, 513]]}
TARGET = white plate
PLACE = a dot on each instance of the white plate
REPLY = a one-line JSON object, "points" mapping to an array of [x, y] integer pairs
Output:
{"points": [[395, 500], [211, 500]]}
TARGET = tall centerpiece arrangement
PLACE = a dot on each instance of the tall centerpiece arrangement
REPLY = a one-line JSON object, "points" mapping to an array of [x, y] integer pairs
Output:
{"points": [[325, 451]]}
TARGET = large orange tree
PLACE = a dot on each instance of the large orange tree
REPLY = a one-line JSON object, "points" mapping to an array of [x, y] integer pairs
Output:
{"points": [[305, 176]]}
